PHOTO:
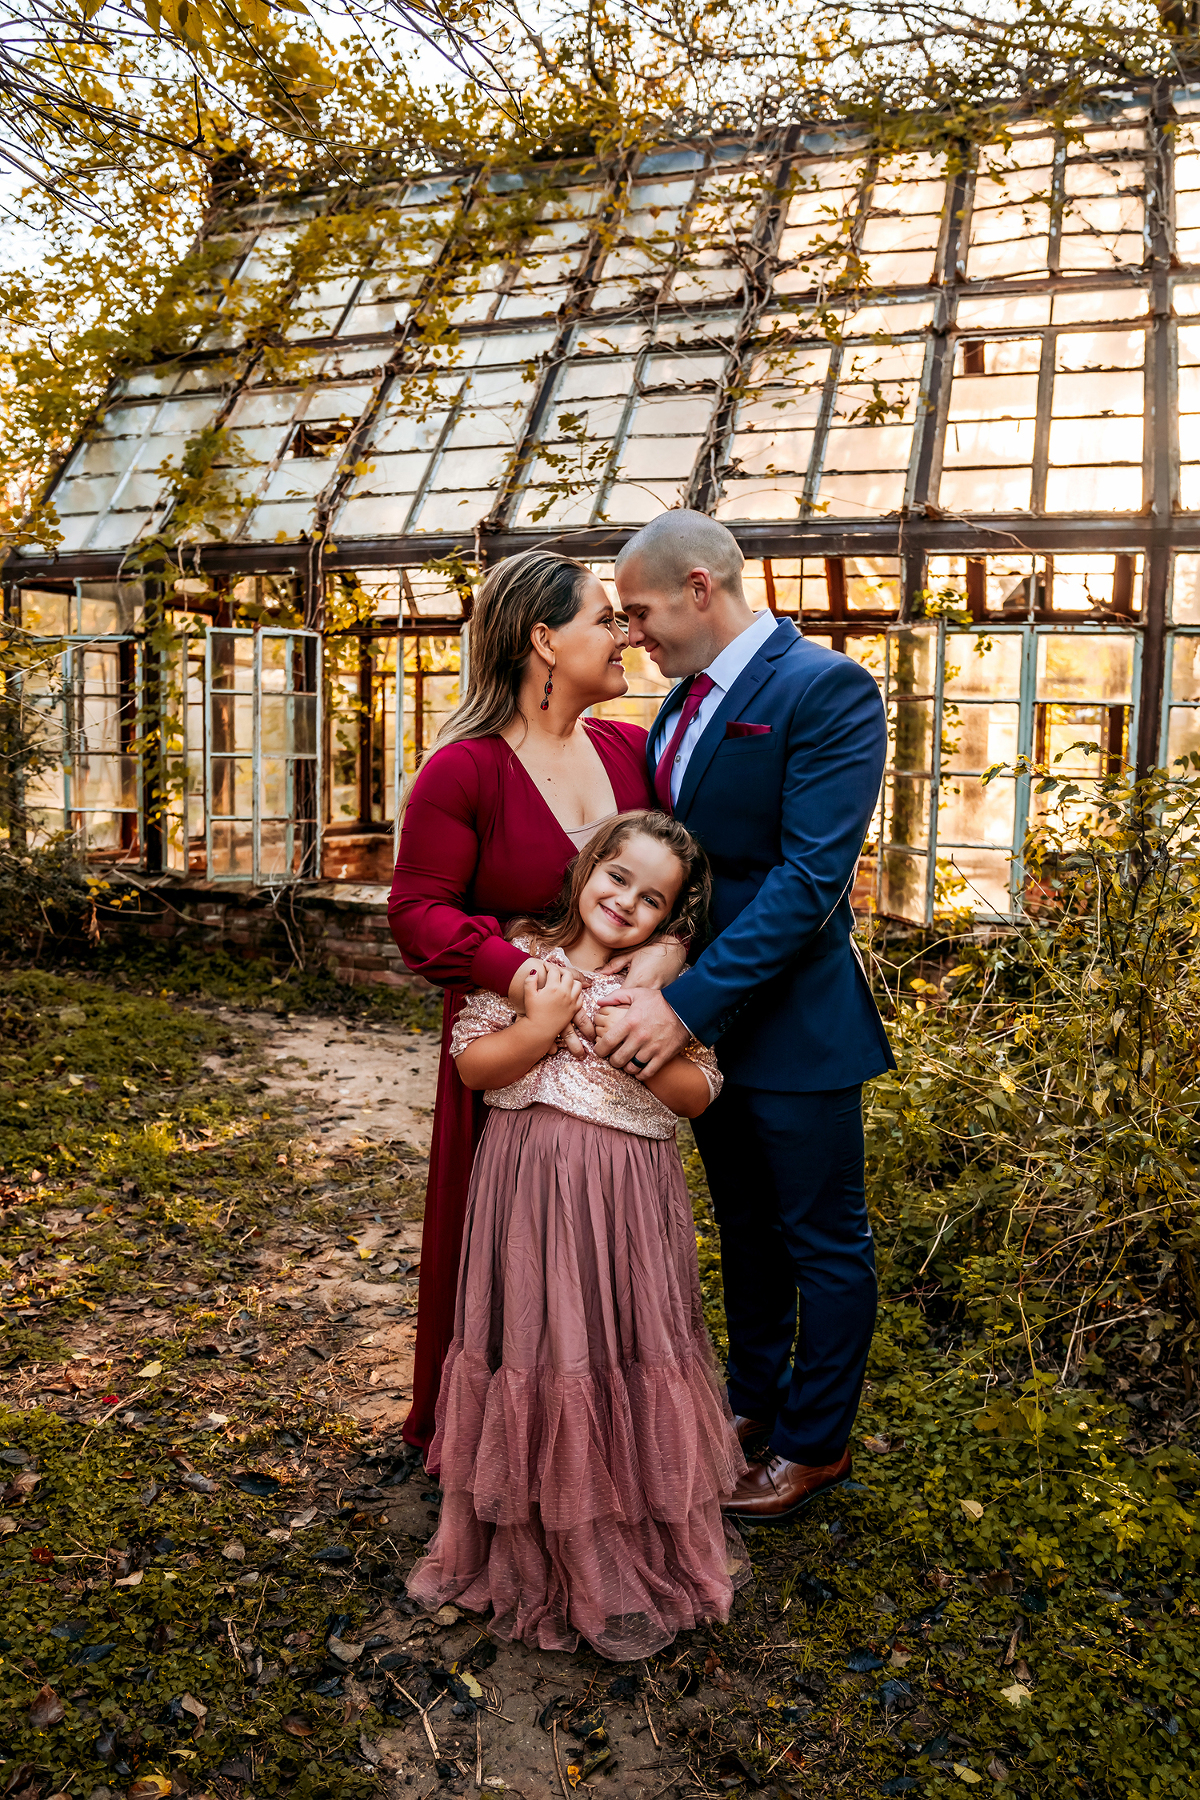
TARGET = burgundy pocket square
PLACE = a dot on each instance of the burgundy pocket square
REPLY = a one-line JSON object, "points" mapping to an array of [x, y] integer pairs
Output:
{"points": [[741, 728]]}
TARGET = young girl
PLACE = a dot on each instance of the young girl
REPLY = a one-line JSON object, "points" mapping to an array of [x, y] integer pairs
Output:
{"points": [[584, 1438]]}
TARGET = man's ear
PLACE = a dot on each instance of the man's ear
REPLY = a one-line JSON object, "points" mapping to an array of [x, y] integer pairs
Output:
{"points": [[700, 585]]}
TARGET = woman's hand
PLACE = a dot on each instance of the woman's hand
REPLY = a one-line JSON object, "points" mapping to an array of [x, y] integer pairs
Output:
{"points": [[650, 966], [551, 1006]]}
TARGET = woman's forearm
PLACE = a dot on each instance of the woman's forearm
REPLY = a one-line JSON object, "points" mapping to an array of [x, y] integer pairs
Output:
{"points": [[516, 988]]}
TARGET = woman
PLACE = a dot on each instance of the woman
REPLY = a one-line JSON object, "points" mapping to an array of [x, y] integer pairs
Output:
{"points": [[517, 782]]}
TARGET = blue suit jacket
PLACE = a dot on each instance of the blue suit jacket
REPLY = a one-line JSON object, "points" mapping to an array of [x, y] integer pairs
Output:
{"points": [[783, 815]]}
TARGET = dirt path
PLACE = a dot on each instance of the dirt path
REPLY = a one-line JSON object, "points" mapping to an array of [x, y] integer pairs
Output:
{"points": [[210, 1227]]}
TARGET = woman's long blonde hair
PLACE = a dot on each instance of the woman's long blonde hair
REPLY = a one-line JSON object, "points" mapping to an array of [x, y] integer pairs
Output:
{"points": [[538, 587]]}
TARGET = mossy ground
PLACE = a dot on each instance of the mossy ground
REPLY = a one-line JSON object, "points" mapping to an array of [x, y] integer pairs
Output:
{"points": [[180, 1387]]}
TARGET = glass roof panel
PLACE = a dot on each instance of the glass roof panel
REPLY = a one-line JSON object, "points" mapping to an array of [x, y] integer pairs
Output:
{"points": [[1010, 210], [900, 236]]}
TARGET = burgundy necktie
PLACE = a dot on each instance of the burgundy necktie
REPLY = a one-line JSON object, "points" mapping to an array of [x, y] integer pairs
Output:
{"points": [[701, 686]]}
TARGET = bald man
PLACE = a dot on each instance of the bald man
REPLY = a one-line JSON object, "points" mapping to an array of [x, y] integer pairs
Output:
{"points": [[771, 750]]}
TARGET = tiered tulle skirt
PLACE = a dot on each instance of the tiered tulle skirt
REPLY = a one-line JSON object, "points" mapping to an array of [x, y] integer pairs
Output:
{"points": [[583, 1435]]}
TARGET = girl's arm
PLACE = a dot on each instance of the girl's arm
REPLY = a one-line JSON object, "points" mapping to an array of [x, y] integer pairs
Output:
{"points": [[683, 1086], [502, 1057]]}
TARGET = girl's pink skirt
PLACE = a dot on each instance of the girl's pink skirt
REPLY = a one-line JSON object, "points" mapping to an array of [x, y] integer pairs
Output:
{"points": [[583, 1434]]}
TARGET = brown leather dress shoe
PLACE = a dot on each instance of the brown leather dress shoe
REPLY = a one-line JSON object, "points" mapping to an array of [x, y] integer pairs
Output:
{"points": [[775, 1489], [748, 1430]]}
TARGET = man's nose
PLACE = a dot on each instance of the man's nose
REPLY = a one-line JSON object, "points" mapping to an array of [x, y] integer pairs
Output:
{"points": [[634, 635]]}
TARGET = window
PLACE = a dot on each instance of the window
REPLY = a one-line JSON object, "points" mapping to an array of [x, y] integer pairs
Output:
{"points": [[965, 705], [263, 755]]}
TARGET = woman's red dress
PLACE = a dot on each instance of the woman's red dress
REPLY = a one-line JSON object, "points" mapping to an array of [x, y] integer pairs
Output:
{"points": [[479, 847]]}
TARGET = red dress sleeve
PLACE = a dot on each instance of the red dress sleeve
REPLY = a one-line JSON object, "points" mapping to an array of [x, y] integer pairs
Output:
{"points": [[435, 868]]}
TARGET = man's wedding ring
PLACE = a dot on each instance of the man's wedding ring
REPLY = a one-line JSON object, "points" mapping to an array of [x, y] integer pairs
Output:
{"points": [[638, 1063]]}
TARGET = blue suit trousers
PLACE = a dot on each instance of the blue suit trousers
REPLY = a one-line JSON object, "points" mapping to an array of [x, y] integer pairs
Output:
{"points": [[785, 1171]]}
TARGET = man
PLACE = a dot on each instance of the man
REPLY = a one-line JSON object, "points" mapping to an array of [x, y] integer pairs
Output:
{"points": [[771, 751]]}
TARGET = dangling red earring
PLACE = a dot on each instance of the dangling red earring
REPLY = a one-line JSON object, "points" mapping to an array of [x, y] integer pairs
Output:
{"points": [[547, 691]]}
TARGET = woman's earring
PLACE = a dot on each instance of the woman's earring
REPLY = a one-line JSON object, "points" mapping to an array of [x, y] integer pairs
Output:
{"points": [[548, 690]]}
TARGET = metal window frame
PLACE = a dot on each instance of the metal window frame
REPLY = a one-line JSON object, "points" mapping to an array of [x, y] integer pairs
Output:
{"points": [[68, 651], [1030, 634], [256, 877]]}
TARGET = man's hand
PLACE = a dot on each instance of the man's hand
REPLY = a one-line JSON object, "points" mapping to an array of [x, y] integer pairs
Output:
{"points": [[651, 966], [642, 1026]]}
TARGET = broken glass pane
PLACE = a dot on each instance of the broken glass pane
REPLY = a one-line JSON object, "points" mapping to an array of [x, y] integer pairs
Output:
{"points": [[44, 612], [1083, 582]]}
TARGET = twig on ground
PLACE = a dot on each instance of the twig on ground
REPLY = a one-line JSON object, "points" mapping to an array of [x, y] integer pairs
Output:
{"points": [[554, 1739], [650, 1723], [424, 1711], [478, 1755]]}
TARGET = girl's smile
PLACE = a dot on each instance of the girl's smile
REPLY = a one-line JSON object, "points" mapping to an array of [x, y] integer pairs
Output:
{"points": [[626, 899]]}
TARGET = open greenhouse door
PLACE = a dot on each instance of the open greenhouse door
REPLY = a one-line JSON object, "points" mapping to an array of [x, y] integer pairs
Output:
{"points": [[912, 691], [263, 755]]}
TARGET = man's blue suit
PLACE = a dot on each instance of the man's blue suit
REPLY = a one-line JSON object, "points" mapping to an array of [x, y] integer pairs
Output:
{"points": [[780, 992]]}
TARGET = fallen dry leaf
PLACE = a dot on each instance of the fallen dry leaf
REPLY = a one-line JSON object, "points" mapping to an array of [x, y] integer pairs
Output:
{"points": [[191, 1705], [1016, 1695], [149, 1372], [297, 1726], [302, 1519], [234, 1551], [150, 1787], [7, 1524], [20, 1487], [973, 1510], [878, 1446], [345, 1653], [47, 1709], [131, 1581]]}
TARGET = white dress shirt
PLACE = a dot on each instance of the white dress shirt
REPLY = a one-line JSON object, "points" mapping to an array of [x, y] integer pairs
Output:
{"points": [[723, 671]]}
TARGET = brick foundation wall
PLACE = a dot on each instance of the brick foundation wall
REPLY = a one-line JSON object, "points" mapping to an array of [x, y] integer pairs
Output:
{"points": [[339, 926]]}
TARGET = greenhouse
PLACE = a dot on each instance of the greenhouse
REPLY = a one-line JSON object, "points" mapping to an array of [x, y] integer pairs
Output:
{"points": [[948, 403]]}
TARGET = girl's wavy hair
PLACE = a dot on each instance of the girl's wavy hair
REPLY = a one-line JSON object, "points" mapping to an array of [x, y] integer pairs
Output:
{"points": [[562, 923]]}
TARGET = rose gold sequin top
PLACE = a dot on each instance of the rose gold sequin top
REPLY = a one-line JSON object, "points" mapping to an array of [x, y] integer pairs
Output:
{"points": [[587, 1088]]}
